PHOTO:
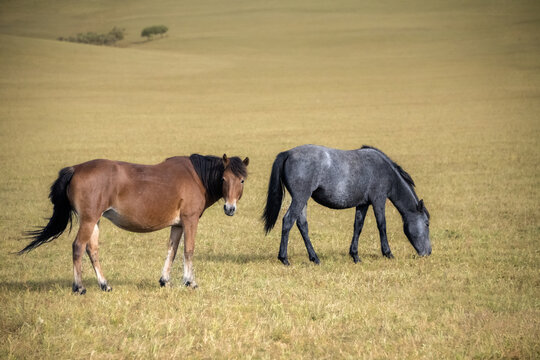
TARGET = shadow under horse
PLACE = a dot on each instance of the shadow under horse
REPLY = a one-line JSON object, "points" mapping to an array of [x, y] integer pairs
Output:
{"points": [[341, 179], [140, 198]]}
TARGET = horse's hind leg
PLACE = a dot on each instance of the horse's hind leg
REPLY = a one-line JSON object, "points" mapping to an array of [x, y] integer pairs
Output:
{"points": [[92, 251], [378, 209], [302, 224], [86, 230], [174, 240], [289, 219], [359, 218]]}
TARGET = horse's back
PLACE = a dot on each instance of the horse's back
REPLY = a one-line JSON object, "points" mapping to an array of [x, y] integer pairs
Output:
{"points": [[125, 173], [337, 178]]}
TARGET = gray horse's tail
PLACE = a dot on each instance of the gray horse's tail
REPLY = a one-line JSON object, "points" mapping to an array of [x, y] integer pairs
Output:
{"points": [[275, 193], [62, 212]]}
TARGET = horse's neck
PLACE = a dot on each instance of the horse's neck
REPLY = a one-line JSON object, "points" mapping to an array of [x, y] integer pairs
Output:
{"points": [[214, 190], [403, 197]]}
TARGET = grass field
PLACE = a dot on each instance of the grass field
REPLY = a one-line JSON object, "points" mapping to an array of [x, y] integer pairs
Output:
{"points": [[449, 89]]}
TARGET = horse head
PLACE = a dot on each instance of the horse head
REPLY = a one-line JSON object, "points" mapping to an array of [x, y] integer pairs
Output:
{"points": [[416, 228], [234, 176]]}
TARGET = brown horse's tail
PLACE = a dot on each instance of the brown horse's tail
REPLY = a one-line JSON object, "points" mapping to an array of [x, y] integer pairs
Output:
{"points": [[275, 193], [62, 212]]}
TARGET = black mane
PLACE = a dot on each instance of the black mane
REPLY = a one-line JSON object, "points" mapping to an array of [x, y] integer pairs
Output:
{"points": [[405, 175], [210, 170]]}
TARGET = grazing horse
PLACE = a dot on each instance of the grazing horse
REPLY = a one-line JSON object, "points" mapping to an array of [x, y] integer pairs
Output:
{"points": [[140, 198], [341, 179]]}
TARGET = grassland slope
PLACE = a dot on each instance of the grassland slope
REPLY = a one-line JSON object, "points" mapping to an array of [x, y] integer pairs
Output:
{"points": [[449, 90]]}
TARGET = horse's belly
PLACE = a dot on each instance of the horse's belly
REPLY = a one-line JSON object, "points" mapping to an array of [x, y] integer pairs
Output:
{"points": [[337, 200], [131, 223]]}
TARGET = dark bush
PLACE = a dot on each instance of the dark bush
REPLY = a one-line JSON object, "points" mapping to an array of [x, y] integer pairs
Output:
{"points": [[154, 30], [93, 38]]}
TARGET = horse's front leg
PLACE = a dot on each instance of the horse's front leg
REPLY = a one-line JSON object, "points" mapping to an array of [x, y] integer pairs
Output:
{"points": [[190, 229], [359, 218], [174, 240], [378, 209]]}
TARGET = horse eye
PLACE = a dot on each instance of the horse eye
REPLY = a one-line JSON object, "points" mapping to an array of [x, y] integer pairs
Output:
{"points": [[242, 181]]}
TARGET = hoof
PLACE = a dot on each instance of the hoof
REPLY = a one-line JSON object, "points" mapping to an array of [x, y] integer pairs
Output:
{"points": [[389, 255], [162, 282], [315, 260], [105, 287], [355, 258], [191, 284], [78, 290], [424, 253], [285, 261]]}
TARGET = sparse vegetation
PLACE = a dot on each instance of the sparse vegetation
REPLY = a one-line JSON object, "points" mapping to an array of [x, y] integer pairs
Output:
{"points": [[449, 91], [150, 31], [116, 34]]}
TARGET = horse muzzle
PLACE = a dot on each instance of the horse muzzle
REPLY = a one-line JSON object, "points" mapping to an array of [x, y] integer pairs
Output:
{"points": [[229, 209]]}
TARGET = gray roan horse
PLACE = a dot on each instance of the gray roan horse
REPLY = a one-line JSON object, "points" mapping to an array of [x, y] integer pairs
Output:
{"points": [[140, 198], [341, 179]]}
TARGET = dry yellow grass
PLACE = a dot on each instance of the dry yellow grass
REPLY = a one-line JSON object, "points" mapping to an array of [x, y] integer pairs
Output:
{"points": [[449, 90]]}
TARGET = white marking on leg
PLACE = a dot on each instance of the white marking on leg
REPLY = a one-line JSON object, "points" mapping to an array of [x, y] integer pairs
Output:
{"points": [[77, 277], [100, 278], [174, 240], [188, 271], [165, 274], [97, 267]]}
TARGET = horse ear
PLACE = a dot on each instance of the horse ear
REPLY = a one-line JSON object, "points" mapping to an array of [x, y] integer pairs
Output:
{"points": [[246, 161], [225, 160], [420, 206]]}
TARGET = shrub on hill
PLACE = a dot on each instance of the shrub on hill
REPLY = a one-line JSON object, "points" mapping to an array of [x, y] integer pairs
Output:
{"points": [[154, 30], [93, 38]]}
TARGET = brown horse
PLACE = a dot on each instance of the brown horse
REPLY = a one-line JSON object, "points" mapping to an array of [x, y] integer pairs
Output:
{"points": [[140, 198]]}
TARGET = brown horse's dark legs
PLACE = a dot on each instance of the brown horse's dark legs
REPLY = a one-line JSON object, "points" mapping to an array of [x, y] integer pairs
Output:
{"points": [[190, 229], [77, 267], [92, 251], [174, 240], [86, 230]]}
